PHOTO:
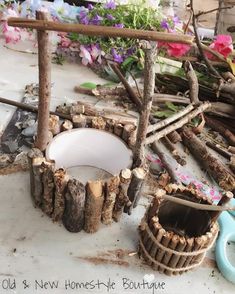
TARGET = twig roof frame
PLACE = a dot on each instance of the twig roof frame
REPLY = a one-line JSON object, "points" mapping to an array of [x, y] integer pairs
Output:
{"points": [[42, 24]]}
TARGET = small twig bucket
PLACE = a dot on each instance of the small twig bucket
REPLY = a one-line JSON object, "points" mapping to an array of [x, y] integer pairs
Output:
{"points": [[175, 238]]}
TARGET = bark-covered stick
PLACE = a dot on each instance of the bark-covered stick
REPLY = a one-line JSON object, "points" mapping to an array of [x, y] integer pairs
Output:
{"points": [[193, 83], [79, 121], [218, 127], [61, 179], [149, 83], [44, 64], [135, 188], [98, 123], [174, 137], [104, 31], [36, 183], [213, 165], [127, 132], [48, 186], [94, 205], [174, 151], [73, 218], [118, 129], [132, 94], [67, 125], [54, 124], [35, 175], [160, 153], [122, 198], [111, 191], [173, 245], [219, 149]]}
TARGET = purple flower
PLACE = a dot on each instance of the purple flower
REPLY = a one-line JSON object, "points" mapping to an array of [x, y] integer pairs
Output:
{"points": [[110, 17], [96, 20], [176, 20], [116, 57], [110, 5], [165, 24], [119, 25], [83, 18], [90, 6]]}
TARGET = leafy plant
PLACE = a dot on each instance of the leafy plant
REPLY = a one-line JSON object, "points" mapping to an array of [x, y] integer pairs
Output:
{"points": [[168, 110]]}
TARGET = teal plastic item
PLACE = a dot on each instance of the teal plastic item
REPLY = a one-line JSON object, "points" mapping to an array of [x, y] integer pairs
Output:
{"points": [[227, 233]]}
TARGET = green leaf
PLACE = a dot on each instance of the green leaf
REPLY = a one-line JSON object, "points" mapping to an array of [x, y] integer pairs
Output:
{"points": [[163, 114], [127, 61], [88, 85], [171, 106]]}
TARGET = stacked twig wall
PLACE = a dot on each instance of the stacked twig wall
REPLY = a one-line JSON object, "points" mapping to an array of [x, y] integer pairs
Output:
{"points": [[78, 206]]}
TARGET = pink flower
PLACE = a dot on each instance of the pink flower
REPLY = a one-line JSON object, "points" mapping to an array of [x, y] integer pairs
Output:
{"points": [[96, 53], [64, 41], [86, 56], [177, 50], [174, 49], [223, 44], [11, 34]]}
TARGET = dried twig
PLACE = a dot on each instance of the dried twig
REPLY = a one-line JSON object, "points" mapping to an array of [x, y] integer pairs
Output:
{"points": [[132, 94], [219, 127], [178, 124], [30, 108], [149, 82], [174, 151], [193, 82], [44, 63], [211, 69], [196, 205], [212, 10], [219, 149], [93, 30], [160, 153], [167, 121]]}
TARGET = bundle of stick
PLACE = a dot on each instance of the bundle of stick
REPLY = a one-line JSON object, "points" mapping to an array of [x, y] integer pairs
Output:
{"points": [[174, 122]]}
